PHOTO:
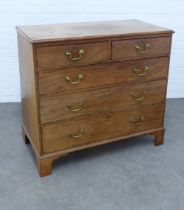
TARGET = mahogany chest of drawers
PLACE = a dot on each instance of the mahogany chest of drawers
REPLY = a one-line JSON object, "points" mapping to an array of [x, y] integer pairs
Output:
{"points": [[87, 84]]}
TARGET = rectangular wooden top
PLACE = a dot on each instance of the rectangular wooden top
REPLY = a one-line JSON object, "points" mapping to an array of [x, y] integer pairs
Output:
{"points": [[87, 30]]}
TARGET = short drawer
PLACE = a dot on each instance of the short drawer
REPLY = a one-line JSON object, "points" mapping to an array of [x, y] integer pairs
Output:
{"points": [[69, 55], [62, 106], [101, 75], [140, 48], [84, 130]]}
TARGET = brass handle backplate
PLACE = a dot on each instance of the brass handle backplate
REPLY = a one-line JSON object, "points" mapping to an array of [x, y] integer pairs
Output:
{"points": [[75, 108], [142, 48], [69, 79], [70, 55], [139, 98], [138, 120], [141, 72], [76, 136]]}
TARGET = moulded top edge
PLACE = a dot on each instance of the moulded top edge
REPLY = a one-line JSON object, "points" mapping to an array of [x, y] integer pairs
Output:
{"points": [[89, 30]]}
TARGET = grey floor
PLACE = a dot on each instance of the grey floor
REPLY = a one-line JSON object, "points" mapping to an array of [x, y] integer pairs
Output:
{"points": [[127, 175]]}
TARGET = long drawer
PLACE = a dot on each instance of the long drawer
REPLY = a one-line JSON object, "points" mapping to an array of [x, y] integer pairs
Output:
{"points": [[140, 48], [62, 106], [83, 130], [101, 75]]}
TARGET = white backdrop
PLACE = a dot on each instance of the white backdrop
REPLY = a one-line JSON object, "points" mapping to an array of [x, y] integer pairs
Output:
{"points": [[167, 13]]}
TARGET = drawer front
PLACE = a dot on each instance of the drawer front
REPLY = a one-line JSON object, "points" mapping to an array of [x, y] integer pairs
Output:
{"points": [[69, 55], [79, 131], [102, 75], [62, 106], [140, 48]]}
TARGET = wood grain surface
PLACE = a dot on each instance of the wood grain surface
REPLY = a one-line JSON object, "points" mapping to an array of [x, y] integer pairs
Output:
{"points": [[100, 126], [101, 75], [126, 49], [54, 55], [86, 30], [62, 106], [114, 89]]}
